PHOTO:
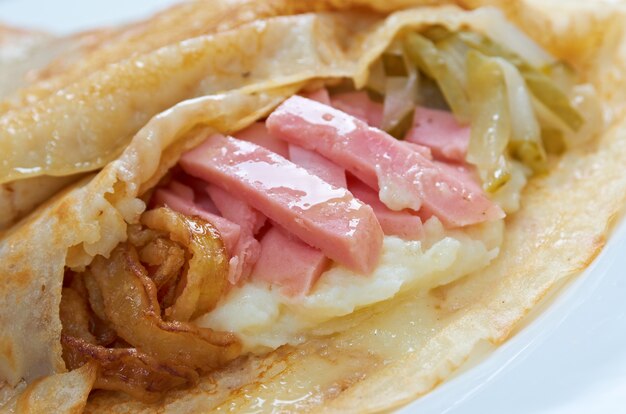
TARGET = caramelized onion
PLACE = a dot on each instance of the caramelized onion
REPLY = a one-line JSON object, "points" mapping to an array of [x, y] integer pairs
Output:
{"points": [[77, 319], [165, 260], [131, 307], [204, 277], [167, 257], [114, 303], [126, 369], [95, 296], [74, 315]]}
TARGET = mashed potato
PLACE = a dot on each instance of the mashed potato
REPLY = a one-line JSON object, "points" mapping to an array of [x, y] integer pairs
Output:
{"points": [[264, 318]]}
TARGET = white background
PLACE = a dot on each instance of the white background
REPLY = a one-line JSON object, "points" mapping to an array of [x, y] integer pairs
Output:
{"points": [[571, 359]]}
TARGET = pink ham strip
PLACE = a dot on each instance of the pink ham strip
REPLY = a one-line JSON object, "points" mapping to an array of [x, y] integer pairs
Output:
{"points": [[321, 215], [284, 261], [200, 197], [359, 105], [396, 223], [204, 202], [181, 190], [439, 131], [318, 165], [236, 210], [424, 151], [228, 230], [406, 178], [249, 220], [257, 133], [463, 172], [289, 263], [321, 95], [280, 260]]}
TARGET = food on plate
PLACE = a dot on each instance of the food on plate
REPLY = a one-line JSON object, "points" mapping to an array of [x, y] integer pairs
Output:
{"points": [[298, 206]]}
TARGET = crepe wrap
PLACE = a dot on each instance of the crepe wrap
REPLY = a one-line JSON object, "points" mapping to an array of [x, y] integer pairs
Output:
{"points": [[385, 355]]}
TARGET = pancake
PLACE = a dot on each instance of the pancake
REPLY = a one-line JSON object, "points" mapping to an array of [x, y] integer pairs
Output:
{"points": [[380, 354]]}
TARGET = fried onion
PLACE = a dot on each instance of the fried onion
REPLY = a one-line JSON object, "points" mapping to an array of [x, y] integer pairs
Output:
{"points": [[204, 277], [127, 370], [166, 256], [123, 369], [131, 307], [95, 296], [75, 315], [111, 313]]}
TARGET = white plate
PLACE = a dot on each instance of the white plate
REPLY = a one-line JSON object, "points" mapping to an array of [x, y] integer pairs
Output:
{"points": [[570, 359]]}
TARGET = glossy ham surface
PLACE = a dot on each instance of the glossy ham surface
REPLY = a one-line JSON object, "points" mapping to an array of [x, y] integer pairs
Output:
{"points": [[320, 214], [325, 183], [318, 165], [257, 133], [403, 176]]}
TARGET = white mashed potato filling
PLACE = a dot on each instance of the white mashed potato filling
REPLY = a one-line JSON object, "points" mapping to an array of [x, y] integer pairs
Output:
{"points": [[264, 318]]}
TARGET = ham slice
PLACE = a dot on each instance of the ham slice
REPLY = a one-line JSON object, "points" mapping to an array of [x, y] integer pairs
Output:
{"points": [[439, 131], [289, 263], [236, 210], [228, 230], [395, 223], [257, 133], [242, 256], [181, 190], [318, 165], [249, 220], [424, 151], [320, 95], [359, 105], [199, 195], [321, 215], [403, 177], [463, 172]]}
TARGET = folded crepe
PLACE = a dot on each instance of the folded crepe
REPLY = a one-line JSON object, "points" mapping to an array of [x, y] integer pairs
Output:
{"points": [[145, 120]]}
